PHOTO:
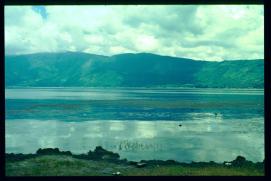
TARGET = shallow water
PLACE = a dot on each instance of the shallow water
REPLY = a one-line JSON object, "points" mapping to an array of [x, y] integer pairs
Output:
{"points": [[139, 123]]}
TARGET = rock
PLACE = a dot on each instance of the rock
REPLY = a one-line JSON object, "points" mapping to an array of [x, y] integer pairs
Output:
{"points": [[18, 157], [110, 157], [239, 161], [48, 151], [212, 163], [180, 125], [171, 162], [132, 163], [160, 162], [100, 153], [52, 151], [67, 152], [82, 156], [124, 160]]}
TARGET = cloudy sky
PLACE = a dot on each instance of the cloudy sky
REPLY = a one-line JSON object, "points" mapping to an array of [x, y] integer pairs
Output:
{"points": [[214, 33]]}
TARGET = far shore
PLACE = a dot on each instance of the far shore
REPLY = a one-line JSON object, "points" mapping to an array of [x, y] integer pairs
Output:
{"points": [[150, 87]]}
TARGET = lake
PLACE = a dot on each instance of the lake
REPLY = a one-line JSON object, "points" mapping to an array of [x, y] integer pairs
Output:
{"points": [[138, 123]]}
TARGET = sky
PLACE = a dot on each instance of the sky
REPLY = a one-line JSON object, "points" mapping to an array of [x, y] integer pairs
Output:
{"points": [[200, 32]]}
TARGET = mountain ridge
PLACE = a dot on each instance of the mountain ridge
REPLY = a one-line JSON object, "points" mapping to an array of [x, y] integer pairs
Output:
{"points": [[129, 70], [140, 53]]}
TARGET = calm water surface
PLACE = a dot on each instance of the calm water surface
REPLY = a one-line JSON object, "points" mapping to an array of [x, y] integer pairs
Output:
{"points": [[138, 123]]}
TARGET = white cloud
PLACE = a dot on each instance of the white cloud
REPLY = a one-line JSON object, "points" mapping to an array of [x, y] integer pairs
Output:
{"points": [[200, 32], [145, 43]]}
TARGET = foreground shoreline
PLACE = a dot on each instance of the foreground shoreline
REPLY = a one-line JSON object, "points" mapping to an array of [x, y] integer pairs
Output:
{"points": [[100, 162]]}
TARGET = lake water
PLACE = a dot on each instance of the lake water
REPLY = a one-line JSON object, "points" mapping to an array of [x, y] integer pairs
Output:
{"points": [[138, 123]]}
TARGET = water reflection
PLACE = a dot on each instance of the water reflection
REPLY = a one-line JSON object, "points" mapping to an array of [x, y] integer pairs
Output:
{"points": [[65, 94], [138, 123], [205, 140]]}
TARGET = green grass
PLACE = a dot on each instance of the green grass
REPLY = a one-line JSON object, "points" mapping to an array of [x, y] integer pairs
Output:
{"points": [[56, 165]]}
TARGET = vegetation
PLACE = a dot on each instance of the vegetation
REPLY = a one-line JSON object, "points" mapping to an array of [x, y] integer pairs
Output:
{"points": [[52, 162], [129, 70]]}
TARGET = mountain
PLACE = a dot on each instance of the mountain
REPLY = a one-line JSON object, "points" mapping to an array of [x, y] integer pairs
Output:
{"points": [[129, 70]]}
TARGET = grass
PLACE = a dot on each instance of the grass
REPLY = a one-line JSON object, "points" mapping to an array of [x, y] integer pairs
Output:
{"points": [[60, 165], [56, 165], [191, 171]]}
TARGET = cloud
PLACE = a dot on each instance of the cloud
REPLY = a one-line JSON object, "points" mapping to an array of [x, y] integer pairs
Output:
{"points": [[209, 32]]}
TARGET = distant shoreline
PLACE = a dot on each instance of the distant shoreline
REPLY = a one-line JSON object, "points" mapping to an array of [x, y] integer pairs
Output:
{"points": [[172, 87]]}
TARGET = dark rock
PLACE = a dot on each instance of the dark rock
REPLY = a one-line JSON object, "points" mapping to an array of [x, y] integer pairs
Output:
{"points": [[160, 162], [48, 151], [124, 160], [52, 151], [110, 157], [81, 156], [200, 164], [171, 162], [239, 161], [212, 163], [66, 153], [132, 163], [18, 157], [259, 165], [100, 153]]}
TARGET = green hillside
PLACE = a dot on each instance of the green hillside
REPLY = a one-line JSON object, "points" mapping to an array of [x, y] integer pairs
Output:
{"points": [[129, 70]]}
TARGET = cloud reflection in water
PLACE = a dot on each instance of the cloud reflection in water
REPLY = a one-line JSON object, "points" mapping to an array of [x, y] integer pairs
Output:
{"points": [[211, 138]]}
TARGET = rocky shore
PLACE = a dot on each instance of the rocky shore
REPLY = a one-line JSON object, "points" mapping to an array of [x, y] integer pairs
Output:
{"points": [[52, 161]]}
